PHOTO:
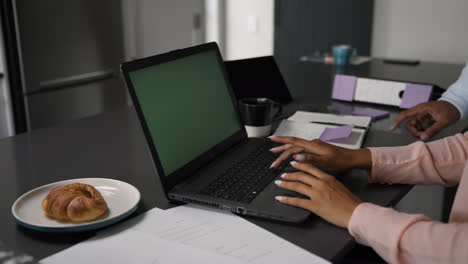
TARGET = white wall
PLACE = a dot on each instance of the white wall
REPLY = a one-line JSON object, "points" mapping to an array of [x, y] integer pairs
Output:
{"points": [[157, 26], [431, 30], [6, 113], [242, 28], [249, 28], [215, 22]]}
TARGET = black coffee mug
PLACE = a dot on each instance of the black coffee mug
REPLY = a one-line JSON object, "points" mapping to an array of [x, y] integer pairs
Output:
{"points": [[258, 114]]}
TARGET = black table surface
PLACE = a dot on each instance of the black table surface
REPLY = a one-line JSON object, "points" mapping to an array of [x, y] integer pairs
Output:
{"points": [[112, 145]]}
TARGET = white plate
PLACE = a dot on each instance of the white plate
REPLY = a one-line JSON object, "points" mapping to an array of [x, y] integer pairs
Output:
{"points": [[121, 198]]}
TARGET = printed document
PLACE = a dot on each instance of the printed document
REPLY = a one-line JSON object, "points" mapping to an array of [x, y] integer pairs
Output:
{"points": [[186, 234]]}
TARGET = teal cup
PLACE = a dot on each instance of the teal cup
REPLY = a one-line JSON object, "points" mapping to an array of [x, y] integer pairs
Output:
{"points": [[342, 53]]}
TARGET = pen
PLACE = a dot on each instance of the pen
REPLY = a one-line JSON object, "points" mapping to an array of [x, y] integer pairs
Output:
{"points": [[335, 124]]}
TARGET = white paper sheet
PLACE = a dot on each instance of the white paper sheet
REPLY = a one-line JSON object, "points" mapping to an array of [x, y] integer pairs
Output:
{"points": [[186, 234], [358, 60], [133, 246], [223, 233], [311, 131]]}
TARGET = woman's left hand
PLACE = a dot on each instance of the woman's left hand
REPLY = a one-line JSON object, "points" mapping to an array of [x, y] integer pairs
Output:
{"points": [[328, 198]]}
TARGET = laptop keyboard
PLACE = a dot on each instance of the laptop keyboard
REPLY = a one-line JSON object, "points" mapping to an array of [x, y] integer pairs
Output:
{"points": [[243, 181]]}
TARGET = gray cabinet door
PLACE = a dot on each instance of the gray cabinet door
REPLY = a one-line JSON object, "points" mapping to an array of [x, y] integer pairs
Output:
{"points": [[62, 44]]}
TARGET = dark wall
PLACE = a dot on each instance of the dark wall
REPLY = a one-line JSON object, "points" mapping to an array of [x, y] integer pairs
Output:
{"points": [[303, 26]]}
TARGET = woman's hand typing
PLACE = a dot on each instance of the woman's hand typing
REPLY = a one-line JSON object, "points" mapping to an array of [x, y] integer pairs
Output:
{"points": [[321, 154], [328, 197]]}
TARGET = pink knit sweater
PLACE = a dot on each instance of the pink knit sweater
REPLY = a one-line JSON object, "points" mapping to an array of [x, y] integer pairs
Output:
{"points": [[408, 238]]}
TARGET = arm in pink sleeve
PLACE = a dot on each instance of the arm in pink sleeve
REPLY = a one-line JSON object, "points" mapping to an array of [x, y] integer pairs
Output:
{"points": [[405, 238], [440, 162]]}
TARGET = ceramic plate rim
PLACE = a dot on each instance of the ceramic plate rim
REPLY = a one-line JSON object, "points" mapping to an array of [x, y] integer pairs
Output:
{"points": [[80, 226]]}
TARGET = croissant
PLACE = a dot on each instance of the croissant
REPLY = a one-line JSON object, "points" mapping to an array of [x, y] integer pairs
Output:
{"points": [[76, 202]]}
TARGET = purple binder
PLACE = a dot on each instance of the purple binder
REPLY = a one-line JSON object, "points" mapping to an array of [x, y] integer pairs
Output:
{"points": [[344, 87], [415, 94], [373, 113]]}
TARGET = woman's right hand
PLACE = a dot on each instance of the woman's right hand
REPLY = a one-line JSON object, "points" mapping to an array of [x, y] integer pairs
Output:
{"points": [[321, 154]]}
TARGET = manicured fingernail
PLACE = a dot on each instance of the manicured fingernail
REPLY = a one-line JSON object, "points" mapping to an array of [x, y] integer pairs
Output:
{"points": [[278, 182], [293, 163], [424, 137], [271, 136], [273, 149], [283, 175], [271, 166], [299, 157], [279, 198]]}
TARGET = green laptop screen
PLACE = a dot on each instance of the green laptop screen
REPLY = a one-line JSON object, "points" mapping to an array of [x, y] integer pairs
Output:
{"points": [[187, 107]]}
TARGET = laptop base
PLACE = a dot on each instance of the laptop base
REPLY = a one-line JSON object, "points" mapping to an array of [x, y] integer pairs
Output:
{"points": [[264, 205]]}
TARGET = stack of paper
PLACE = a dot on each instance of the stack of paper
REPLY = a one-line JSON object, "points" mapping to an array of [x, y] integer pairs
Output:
{"points": [[185, 234], [341, 130], [311, 117]]}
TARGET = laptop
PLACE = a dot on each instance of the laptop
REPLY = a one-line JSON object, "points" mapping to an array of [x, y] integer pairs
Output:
{"points": [[194, 133], [258, 77]]}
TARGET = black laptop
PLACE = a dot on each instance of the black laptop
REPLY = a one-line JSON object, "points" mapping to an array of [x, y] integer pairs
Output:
{"points": [[258, 77], [199, 146]]}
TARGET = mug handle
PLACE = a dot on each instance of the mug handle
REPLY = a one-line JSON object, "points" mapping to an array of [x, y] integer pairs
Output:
{"points": [[279, 110]]}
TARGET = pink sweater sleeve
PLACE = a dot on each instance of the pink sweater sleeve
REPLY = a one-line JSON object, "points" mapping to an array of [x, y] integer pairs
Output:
{"points": [[404, 238], [437, 162]]}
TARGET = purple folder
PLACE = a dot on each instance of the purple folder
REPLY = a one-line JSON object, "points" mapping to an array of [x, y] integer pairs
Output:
{"points": [[415, 94], [333, 133], [344, 87], [342, 108], [373, 113]]}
